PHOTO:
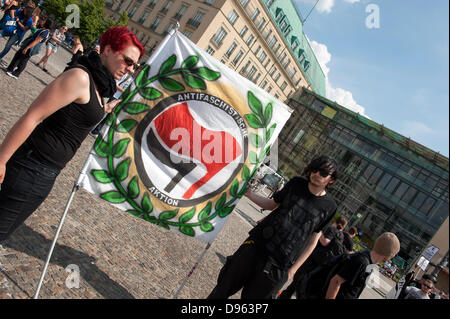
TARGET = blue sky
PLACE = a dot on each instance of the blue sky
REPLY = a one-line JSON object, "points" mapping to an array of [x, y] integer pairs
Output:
{"points": [[396, 73]]}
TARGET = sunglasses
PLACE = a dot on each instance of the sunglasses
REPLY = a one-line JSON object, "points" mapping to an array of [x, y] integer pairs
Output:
{"points": [[429, 287], [129, 61], [322, 172]]}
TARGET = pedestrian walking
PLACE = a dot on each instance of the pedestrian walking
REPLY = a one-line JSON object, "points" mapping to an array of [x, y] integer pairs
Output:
{"points": [[53, 43], [287, 236], [30, 46], [47, 136], [345, 276], [348, 239], [24, 21], [331, 244]]}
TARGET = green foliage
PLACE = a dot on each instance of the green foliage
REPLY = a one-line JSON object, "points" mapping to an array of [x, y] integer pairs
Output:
{"points": [[93, 21]]}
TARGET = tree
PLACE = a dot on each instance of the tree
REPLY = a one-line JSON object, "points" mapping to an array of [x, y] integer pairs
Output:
{"points": [[93, 21]]}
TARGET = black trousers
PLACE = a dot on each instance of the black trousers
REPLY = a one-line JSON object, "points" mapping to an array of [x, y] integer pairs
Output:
{"points": [[249, 269], [19, 61], [26, 184]]}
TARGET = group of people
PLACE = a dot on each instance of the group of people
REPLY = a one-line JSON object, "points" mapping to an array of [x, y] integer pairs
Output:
{"points": [[19, 17], [408, 287], [294, 242]]}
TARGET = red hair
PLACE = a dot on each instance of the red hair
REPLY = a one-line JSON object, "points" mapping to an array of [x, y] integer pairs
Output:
{"points": [[118, 38]]}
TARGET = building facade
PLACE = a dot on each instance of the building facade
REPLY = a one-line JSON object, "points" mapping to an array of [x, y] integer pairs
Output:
{"points": [[388, 182], [262, 40]]}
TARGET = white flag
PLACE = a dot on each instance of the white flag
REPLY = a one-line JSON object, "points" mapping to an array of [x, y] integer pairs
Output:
{"points": [[181, 147]]}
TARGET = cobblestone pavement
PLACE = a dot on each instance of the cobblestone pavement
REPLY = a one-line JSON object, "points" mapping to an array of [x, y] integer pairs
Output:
{"points": [[119, 256]]}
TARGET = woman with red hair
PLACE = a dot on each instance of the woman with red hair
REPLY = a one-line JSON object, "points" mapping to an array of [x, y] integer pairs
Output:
{"points": [[47, 136]]}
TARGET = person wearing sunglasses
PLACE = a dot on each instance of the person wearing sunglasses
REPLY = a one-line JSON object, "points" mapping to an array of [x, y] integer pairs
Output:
{"points": [[48, 135], [279, 244], [423, 292]]}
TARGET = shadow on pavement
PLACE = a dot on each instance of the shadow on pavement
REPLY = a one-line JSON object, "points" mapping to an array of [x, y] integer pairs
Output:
{"points": [[34, 244]]}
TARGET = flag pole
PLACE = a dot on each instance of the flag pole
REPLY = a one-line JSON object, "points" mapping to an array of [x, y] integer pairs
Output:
{"points": [[192, 270], [61, 222]]}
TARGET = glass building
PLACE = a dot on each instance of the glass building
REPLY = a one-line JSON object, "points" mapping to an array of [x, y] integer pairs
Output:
{"points": [[387, 183]]}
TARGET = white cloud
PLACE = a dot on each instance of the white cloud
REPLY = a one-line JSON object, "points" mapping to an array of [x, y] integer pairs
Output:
{"points": [[340, 96], [325, 6], [322, 6]]}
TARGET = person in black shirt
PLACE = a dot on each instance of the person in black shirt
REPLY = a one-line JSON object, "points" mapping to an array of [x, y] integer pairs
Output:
{"points": [[287, 236], [350, 278], [348, 239], [330, 245], [48, 135]]}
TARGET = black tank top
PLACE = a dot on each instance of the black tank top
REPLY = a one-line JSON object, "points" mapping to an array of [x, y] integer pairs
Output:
{"points": [[58, 137]]}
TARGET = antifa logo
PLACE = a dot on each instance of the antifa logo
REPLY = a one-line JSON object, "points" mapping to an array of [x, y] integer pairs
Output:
{"points": [[183, 159]]}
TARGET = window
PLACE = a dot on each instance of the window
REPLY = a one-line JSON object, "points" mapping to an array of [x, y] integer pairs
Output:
{"points": [[269, 3], [243, 31], [263, 84], [196, 20], [368, 172], [143, 17], [180, 12], [262, 56], [409, 195], [392, 185], [249, 40], [292, 73], [401, 190], [232, 17], [231, 49], [210, 50], [219, 36], [132, 12], [251, 73], [283, 86], [384, 181], [210, 2], [237, 57], [277, 77], [244, 2], [375, 176], [418, 201], [272, 41], [286, 65], [427, 205], [269, 89], [166, 8], [261, 23], [244, 69], [155, 24], [255, 14], [282, 57]]}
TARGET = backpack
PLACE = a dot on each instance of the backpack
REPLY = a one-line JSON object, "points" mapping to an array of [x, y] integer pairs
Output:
{"points": [[314, 284], [9, 26], [333, 249], [34, 50]]}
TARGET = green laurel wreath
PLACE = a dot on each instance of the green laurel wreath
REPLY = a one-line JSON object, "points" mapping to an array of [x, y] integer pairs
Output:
{"points": [[193, 77]]}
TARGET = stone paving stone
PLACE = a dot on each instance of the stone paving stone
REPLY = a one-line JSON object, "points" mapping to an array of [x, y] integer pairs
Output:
{"points": [[119, 256]]}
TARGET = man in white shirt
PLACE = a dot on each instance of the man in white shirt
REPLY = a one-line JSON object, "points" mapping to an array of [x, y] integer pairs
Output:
{"points": [[422, 293]]}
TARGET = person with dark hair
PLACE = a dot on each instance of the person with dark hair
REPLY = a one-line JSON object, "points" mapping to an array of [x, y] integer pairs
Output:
{"points": [[48, 135], [53, 43], [30, 47], [331, 244], [423, 291], [348, 239], [24, 20], [287, 236]]}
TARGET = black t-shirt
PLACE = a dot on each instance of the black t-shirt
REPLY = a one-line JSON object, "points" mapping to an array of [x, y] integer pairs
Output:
{"points": [[355, 275], [285, 232], [348, 242]]}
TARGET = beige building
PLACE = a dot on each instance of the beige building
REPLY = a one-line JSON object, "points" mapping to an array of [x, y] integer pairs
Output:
{"points": [[245, 35]]}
